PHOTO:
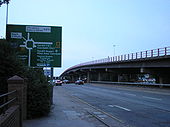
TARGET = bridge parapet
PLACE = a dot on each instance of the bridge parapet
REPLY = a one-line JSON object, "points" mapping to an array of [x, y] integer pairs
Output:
{"points": [[154, 53]]}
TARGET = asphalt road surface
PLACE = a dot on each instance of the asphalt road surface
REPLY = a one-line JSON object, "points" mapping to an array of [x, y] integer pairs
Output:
{"points": [[131, 105]]}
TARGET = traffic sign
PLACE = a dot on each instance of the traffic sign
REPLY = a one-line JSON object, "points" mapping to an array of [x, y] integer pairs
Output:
{"points": [[37, 46]]}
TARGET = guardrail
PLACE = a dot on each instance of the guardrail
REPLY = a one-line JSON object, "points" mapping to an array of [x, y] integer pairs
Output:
{"points": [[5, 102], [132, 83], [160, 52]]}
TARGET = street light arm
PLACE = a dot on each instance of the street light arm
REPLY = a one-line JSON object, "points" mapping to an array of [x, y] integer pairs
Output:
{"points": [[6, 1], [1, 3]]}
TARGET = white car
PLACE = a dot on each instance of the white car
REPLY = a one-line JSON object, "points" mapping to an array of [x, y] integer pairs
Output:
{"points": [[58, 83]]}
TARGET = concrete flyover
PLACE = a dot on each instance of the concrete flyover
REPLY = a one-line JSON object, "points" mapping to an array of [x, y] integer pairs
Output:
{"points": [[135, 67]]}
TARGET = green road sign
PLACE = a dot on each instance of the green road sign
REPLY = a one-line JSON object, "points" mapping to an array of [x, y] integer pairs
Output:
{"points": [[37, 46]]}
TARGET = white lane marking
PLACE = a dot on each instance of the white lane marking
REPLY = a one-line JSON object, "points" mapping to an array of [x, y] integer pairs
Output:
{"points": [[122, 108], [97, 113], [111, 106], [115, 92], [159, 99], [130, 94]]}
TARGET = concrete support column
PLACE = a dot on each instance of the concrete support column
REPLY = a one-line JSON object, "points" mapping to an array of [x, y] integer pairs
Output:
{"points": [[99, 76], [17, 83], [110, 77], [160, 80], [88, 77], [118, 77], [72, 78]]}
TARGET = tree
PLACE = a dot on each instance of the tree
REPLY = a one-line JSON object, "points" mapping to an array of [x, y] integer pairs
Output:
{"points": [[9, 64]]}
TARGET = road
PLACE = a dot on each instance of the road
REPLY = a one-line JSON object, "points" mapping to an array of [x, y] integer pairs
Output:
{"points": [[132, 106]]}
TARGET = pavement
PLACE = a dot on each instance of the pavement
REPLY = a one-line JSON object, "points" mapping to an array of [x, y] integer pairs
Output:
{"points": [[66, 112]]}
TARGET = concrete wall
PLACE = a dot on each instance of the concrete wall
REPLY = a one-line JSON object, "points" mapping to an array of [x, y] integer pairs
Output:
{"points": [[11, 118]]}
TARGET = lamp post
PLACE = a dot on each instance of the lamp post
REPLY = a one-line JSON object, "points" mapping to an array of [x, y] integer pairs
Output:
{"points": [[5, 2]]}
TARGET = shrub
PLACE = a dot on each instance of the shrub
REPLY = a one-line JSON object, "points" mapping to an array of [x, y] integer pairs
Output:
{"points": [[38, 95]]}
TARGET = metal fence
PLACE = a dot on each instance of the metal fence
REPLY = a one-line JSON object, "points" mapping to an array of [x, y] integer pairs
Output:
{"points": [[5, 101]]}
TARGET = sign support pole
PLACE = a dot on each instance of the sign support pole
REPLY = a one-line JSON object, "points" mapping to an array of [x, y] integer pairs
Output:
{"points": [[29, 58], [52, 74]]}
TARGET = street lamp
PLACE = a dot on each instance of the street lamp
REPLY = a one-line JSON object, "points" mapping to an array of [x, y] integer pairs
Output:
{"points": [[4, 2], [1, 3]]}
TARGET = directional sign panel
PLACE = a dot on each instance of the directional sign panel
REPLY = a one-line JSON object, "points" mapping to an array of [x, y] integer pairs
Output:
{"points": [[37, 46]]}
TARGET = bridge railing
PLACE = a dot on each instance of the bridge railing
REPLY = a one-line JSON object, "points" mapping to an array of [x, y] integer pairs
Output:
{"points": [[5, 102], [132, 56]]}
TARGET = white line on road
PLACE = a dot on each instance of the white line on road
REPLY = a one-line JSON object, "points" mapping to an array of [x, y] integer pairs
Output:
{"points": [[115, 92], [130, 94], [159, 99], [122, 108], [111, 106]]}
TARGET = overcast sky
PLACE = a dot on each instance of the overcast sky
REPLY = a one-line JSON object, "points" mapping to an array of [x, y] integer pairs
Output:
{"points": [[92, 27]]}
